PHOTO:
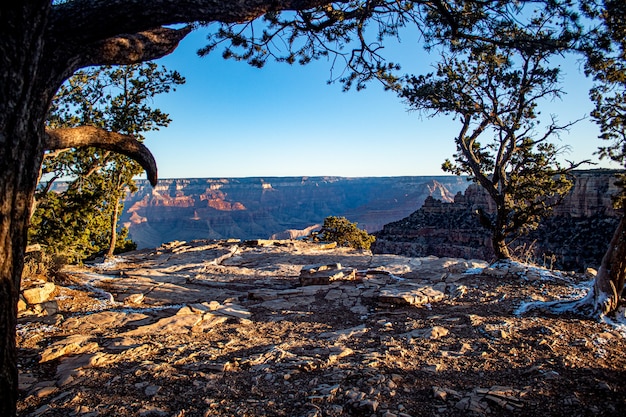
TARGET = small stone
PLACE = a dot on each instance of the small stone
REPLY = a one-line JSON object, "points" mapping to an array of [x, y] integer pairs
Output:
{"points": [[433, 368], [439, 394], [21, 304], [152, 390], [152, 411], [41, 410], [533, 275], [496, 272], [45, 391], [368, 405]]}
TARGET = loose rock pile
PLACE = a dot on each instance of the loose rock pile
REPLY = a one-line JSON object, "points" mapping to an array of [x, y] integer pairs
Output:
{"points": [[285, 328]]}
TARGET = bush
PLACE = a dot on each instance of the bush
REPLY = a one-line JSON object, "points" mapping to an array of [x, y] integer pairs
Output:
{"points": [[345, 233]]}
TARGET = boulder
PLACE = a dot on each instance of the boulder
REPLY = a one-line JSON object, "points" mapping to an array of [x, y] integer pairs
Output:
{"points": [[39, 294]]}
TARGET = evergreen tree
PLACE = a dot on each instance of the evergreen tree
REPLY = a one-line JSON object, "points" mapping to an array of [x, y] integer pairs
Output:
{"points": [[345, 233], [82, 220], [494, 92]]}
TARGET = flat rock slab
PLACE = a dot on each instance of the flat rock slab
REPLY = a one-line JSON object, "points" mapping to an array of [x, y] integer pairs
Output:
{"points": [[411, 294], [39, 294], [102, 321]]}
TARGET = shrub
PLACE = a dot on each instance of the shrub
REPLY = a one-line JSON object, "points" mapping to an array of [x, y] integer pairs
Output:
{"points": [[345, 233]]}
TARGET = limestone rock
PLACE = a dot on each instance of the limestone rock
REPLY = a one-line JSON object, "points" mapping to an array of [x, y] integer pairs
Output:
{"points": [[134, 299], [410, 294], [432, 333], [21, 304], [325, 274], [39, 294], [71, 345]]}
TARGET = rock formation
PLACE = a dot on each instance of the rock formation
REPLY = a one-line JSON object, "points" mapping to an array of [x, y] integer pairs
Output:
{"points": [[574, 237], [259, 208]]}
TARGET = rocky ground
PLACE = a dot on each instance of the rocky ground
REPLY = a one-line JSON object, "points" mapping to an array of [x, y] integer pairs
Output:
{"points": [[294, 329]]}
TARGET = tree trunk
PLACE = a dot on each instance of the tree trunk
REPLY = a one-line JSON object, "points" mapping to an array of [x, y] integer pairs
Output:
{"points": [[500, 248], [604, 296], [21, 150], [498, 237], [609, 283], [114, 217], [23, 104]]}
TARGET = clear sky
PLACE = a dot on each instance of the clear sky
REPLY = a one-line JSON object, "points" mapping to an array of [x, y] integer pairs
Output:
{"points": [[233, 120]]}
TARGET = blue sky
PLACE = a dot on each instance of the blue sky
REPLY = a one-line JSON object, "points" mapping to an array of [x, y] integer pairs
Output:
{"points": [[233, 120]]}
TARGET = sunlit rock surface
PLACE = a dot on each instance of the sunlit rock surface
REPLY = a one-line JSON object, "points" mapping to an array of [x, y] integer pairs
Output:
{"points": [[221, 328]]}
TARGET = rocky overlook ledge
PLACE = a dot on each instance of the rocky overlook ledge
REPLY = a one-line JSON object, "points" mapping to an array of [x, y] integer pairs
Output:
{"points": [[288, 328]]}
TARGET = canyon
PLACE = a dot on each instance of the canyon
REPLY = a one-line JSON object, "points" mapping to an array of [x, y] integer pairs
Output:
{"points": [[410, 216], [575, 236], [278, 207]]}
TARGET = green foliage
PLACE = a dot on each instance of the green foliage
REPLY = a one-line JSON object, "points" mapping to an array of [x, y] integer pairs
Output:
{"points": [[606, 62], [81, 221], [494, 92], [345, 233], [352, 34]]}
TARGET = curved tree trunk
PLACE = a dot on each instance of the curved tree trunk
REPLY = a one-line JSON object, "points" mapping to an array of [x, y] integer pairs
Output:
{"points": [[609, 283], [604, 295], [24, 86]]}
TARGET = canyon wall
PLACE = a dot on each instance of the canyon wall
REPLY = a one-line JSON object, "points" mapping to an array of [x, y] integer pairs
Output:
{"points": [[280, 207], [574, 237]]}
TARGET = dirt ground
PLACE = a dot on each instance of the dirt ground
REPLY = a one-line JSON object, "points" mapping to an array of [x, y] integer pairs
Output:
{"points": [[340, 349]]}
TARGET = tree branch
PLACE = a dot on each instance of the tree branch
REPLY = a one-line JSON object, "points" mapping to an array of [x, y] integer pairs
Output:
{"points": [[129, 49], [88, 21], [85, 136]]}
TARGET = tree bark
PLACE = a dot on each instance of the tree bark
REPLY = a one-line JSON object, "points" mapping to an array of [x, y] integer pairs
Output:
{"points": [[604, 295], [500, 248], [84, 136], [498, 236], [114, 217], [113, 240], [23, 108], [609, 283]]}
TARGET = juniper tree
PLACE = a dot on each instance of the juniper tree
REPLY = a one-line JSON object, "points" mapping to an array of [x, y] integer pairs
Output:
{"points": [[344, 233], [83, 219], [494, 93]]}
